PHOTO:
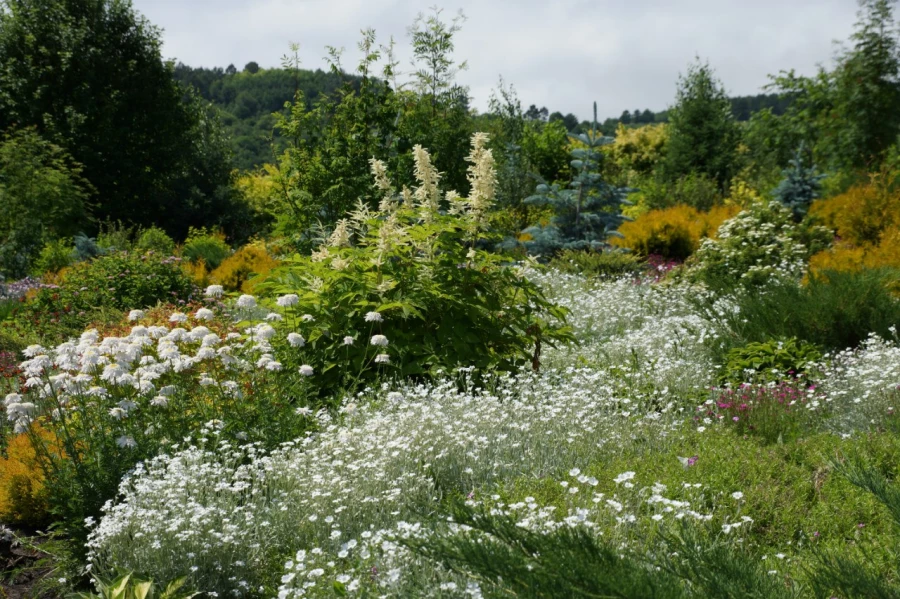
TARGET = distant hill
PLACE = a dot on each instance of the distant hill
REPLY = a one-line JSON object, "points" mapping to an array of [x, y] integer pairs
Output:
{"points": [[246, 100]]}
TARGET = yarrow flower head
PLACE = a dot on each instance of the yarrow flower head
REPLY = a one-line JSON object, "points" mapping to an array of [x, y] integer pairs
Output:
{"points": [[135, 315], [177, 317], [382, 359], [214, 291], [204, 314], [379, 340], [348, 340], [374, 317], [286, 301], [246, 302], [306, 370], [296, 340]]}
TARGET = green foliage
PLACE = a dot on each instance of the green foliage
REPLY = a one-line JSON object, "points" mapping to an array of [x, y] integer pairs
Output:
{"points": [[115, 236], [42, 198], [129, 586], [588, 211], [851, 115], [55, 256], [608, 264], [90, 77], [403, 291], [769, 360], [155, 240], [800, 186], [703, 135], [759, 244], [694, 189], [836, 310], [208, 246]]}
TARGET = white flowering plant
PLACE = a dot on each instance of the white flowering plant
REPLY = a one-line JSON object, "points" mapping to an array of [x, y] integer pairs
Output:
{"points": [[96, 406], [760, 243], [406, 291]]}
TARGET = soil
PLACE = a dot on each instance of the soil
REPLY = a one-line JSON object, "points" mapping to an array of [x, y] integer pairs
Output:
{"points": [[21, 569]]}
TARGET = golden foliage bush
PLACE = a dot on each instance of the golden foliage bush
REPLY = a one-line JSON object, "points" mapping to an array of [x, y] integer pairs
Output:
{"points": [[848, 257], [673, 233], [237, 272], [638, 150], [23, 499], [862, 213]]}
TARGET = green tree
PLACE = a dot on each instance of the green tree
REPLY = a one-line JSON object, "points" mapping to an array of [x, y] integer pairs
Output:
{"points": [[88, 75], [851, 115], [703, 135], [42, 198]]}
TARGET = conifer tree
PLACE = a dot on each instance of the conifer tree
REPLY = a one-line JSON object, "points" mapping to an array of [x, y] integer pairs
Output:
{"points": [[588, 210], [800, 186]]}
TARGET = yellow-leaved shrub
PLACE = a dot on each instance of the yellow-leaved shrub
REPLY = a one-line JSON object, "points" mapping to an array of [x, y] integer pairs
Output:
{"points": [[860, 215], [848, 257], [673, 233], [23, 498], [239, 271]]}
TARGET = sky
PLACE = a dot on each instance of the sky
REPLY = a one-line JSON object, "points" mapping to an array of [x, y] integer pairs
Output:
{"points": [[562, 54]]}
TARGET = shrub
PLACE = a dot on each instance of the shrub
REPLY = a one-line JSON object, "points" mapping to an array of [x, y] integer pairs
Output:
{"points": [[155, 240], [150, 387], [206, 245], [23, 498], [759, 243], [115, 236], [694, 190], [846, 256], [862, 213], [55, 256], [236, 271], [673, 233], [411, 274], [637, 151], [610, 264], [774, 360], [835, 310]]}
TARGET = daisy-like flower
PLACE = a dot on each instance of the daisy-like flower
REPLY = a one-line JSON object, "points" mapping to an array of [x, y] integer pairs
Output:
{"points": [[135, 315], [214, 291], [306, 370], [382, 359], [177, 317], [307, 318], [625, 476], [117, 413], [379, 340], [348, 340], [160, 401], [246, 302], [374, 317], [737, 495], [288, 300], [274, 317], [296, 340], [204, 314], [126, 441]]}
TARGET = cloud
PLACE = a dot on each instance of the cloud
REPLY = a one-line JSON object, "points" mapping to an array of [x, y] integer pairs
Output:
{"points": [[563, 55]]}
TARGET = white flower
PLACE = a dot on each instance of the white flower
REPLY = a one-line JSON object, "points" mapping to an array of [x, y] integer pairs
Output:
{"points": [[374, 317], [307, 318], [160, 401], [394, 397], [574, 472], [214, 291], [126, 441], [117, 413], [246, 301], [306, 370], [382, 359], [274, 317], [204, 314], [273, 366], [296, 340], [623, 477], [303, 411], [348, 340], [135, 315], [177, 317], [12, 398], [288, 300], [379, 340], [737, 495]]}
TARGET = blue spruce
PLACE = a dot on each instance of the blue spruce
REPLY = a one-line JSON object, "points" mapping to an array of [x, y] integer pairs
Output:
{"points": [[800, 186], [587, 211]]}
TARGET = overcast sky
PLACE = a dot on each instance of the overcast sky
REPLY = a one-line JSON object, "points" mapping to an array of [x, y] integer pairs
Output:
{"points": [[562, 54]]}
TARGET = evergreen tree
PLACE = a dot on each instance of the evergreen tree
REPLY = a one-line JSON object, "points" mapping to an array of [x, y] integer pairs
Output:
{"points": [[800, 186], [588, 210], [703, 135]]}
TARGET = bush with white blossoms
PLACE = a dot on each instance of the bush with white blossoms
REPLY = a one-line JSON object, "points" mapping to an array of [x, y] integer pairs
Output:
{"points": [[96, 406], [759, 243], [409, 280]]}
